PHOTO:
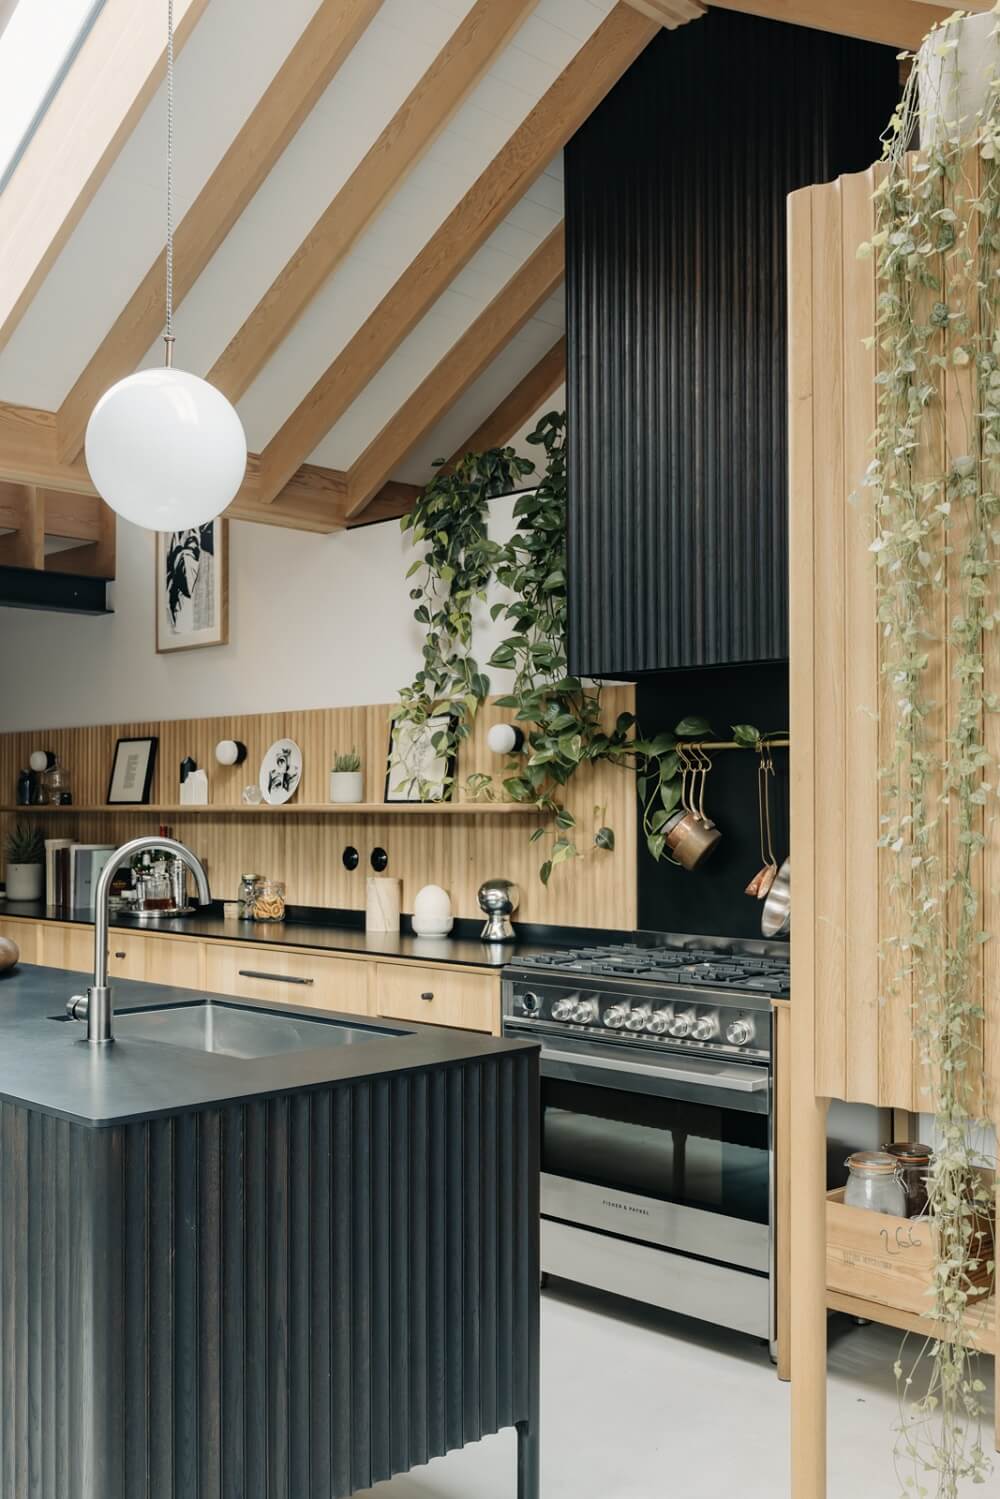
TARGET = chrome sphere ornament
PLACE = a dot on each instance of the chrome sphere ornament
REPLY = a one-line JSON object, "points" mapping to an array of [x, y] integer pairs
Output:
{"points": [[499, 899]]}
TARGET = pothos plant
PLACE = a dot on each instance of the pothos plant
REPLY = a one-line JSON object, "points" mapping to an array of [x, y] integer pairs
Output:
{"points": [[935, 477], [561, 716]]}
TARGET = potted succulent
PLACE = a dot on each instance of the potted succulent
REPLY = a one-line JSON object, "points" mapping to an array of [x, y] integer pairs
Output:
{"points": [[347, 783], [25, 863]]}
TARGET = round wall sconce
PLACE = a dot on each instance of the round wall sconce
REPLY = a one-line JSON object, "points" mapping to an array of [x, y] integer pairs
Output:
{"points": [[41, 760], [230, 752], [505, 739]]}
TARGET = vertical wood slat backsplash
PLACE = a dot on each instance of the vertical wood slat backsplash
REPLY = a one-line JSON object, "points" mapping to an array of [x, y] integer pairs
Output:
{"points": [[458, 852], [843, 711]]}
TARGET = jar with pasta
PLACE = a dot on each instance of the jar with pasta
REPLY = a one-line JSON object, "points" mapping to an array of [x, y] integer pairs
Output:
{"points": [[269, 900]]}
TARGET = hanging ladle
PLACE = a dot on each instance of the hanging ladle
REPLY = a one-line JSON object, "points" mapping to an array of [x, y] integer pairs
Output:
{"points": [[764, 878]]}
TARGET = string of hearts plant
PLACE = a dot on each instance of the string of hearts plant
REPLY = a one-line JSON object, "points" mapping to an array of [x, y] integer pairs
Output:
{"points": [[935, 479]]}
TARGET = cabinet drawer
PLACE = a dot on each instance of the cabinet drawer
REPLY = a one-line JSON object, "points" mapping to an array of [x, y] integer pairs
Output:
{"points": [[66, 947], [466, 1001], [329, 983], [25, 934]]}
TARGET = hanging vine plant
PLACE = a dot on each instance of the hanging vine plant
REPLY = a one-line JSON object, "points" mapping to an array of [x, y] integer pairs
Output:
{"points": [[936, 483], [562, 716]]}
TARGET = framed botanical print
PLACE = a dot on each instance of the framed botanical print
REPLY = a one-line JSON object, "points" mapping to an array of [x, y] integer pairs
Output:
{"points": [[421, 760], [192, 587], [132, 771]]}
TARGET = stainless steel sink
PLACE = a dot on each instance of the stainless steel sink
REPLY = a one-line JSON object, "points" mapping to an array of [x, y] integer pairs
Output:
{"points": [[233, 1031]]}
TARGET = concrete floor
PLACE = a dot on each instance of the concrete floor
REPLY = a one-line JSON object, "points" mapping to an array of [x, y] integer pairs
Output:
{"points": [[638, 1404]]}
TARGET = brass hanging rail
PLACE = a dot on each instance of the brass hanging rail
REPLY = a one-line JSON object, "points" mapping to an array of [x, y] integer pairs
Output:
{"points": [[732, 744]]}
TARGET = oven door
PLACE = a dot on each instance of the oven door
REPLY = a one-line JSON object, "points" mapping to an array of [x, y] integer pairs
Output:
{"points": [[664, 1148]]}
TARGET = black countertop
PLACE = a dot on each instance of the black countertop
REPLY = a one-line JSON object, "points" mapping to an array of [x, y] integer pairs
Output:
{"points": [[320, 936], [46, 1065]]}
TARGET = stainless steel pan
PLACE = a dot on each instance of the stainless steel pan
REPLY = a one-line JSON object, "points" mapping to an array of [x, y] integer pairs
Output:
{"points": [[776, 917]]}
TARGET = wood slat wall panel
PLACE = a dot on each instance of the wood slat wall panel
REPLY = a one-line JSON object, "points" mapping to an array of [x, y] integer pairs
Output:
{"points": [[458, 852]]}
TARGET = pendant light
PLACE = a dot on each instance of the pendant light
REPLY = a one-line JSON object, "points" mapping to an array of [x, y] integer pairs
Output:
{"points": [[164, 448]]}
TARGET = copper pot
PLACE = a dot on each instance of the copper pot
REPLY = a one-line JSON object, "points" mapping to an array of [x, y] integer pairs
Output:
{"points": [[691, 839]]}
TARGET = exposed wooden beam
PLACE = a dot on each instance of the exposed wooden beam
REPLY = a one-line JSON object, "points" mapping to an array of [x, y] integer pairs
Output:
{"points": [[504, 422], [295, 88], [669, 13], [414, 127], [465, 361], [577, 91], [22, 517], [101, 98], [896, 23], [84, 519], [28, 455]]}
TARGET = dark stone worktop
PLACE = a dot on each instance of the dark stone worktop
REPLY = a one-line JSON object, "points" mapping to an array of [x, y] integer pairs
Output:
{"points": [[45, 1065], [319, 936]]}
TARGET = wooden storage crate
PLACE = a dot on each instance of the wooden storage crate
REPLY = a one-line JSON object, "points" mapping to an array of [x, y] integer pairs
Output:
{"points": [[879, 1257]]}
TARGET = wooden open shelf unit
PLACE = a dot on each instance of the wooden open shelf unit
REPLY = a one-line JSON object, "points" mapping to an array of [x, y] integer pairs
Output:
{"points": [[306, 809]]}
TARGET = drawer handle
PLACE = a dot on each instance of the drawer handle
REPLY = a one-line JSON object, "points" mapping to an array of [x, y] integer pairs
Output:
{"points": [[119, 955], [274, 978], [427, 994]]}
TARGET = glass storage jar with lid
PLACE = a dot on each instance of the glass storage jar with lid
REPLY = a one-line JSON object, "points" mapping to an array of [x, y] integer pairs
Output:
{"points": [[269, 900], [914, 1162], [244, 898], [874, 1183]]}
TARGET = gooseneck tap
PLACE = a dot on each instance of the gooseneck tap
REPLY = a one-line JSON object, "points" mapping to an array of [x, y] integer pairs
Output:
{"points": [[97, 1005]]}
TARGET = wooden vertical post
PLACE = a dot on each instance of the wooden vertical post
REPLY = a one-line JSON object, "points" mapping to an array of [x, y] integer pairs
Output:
{"points": [[808, 1137]]}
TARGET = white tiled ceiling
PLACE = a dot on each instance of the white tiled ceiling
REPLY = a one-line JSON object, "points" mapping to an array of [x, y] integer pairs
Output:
{"points": [[234, 52]]}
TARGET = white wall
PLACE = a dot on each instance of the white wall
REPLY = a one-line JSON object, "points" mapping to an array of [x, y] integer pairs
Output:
{"points": [[315, 621]]}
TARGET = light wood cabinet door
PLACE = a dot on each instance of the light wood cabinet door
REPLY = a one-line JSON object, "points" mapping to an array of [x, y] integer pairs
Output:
{"points": [[25, 934], [328, 983], [157, 960], [438, 996], [66, 947]]}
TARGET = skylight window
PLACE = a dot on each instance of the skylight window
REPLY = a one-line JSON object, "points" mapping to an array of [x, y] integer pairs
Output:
{"points": [[38, 42]]}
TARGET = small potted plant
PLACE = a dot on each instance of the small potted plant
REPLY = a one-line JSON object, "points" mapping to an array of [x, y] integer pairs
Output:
{"points": [[25, 863], [347, 784]]}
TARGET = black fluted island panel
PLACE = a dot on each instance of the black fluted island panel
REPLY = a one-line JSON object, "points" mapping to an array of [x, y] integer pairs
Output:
{"points": [[291, 1297]]}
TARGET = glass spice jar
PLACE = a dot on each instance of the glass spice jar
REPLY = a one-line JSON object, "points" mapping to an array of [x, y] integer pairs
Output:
{"points": [[874, 1183], [245, 895], [914, 1163], [269, 900]]}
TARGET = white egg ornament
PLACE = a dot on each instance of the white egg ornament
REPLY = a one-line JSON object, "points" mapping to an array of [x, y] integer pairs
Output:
{"points": [[432, 915]]}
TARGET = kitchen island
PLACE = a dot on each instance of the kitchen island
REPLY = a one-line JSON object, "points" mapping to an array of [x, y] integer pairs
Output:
{"points": [[287, 1269]]}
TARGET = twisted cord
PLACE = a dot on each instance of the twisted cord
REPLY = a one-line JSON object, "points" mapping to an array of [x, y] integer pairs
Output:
{"points": [[169, 334]]}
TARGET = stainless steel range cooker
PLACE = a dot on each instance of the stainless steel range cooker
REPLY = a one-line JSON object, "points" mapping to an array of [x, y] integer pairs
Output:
{"points": [[657, 1122]]}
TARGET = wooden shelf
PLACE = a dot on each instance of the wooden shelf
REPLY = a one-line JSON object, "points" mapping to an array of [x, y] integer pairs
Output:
{"points": [[980, 1320], [319, 809]]}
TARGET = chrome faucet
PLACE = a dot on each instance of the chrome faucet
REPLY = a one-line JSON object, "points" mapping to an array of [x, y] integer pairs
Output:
{"points": [[96, 1006]]}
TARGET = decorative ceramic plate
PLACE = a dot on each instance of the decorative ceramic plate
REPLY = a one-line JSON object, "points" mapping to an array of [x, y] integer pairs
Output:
{"points": [[280, 772]]}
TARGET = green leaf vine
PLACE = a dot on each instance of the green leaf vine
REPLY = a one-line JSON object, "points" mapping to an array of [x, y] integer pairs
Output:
{"points": [[561, 716], [935, 480]]}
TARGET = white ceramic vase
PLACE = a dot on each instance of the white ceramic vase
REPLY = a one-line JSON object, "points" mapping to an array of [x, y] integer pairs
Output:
{"points": [[956, 65], [347, 785], [24, 881]]}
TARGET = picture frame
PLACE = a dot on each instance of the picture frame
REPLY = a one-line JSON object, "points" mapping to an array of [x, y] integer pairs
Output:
{"points": [[132, 771], [192, 587], [413, 757]]}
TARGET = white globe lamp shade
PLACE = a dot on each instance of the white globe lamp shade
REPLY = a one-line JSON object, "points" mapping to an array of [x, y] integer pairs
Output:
{"points": [[166, 450]]}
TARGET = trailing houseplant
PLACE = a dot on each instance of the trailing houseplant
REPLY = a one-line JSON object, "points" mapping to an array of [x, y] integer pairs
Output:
{"points": [[935, 478]]}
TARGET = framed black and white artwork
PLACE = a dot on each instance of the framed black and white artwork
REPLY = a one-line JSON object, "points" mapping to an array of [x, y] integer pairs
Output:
{"points": [[192, 587], [421, 760], [132, 772]]}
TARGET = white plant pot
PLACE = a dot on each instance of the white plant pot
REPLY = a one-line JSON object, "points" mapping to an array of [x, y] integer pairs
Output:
{"points": [[24, 881], [955, 67], [347, 785]]}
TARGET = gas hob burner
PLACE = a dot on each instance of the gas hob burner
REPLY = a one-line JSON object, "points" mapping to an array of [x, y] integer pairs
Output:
{"points": [[673, 964]]}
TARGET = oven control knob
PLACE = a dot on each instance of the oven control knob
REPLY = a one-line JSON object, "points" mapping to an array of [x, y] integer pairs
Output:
{"points": [[530, 1003], [659, 1021], [639, 1018], [739, 1032], [585, 1011], [616, 1017], [681, 1025], [705, 1028], [565, 1009]]}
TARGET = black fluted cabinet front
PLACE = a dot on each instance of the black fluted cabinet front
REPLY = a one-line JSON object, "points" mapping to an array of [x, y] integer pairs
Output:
{"points": [[676, 364], [290, 1298]]}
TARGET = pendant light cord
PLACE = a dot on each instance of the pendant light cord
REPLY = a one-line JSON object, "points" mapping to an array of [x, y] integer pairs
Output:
{"points": [[168, 337]]}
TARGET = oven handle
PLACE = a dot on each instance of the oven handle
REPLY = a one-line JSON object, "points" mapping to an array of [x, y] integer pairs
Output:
{"points": [[756, 1082]]}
